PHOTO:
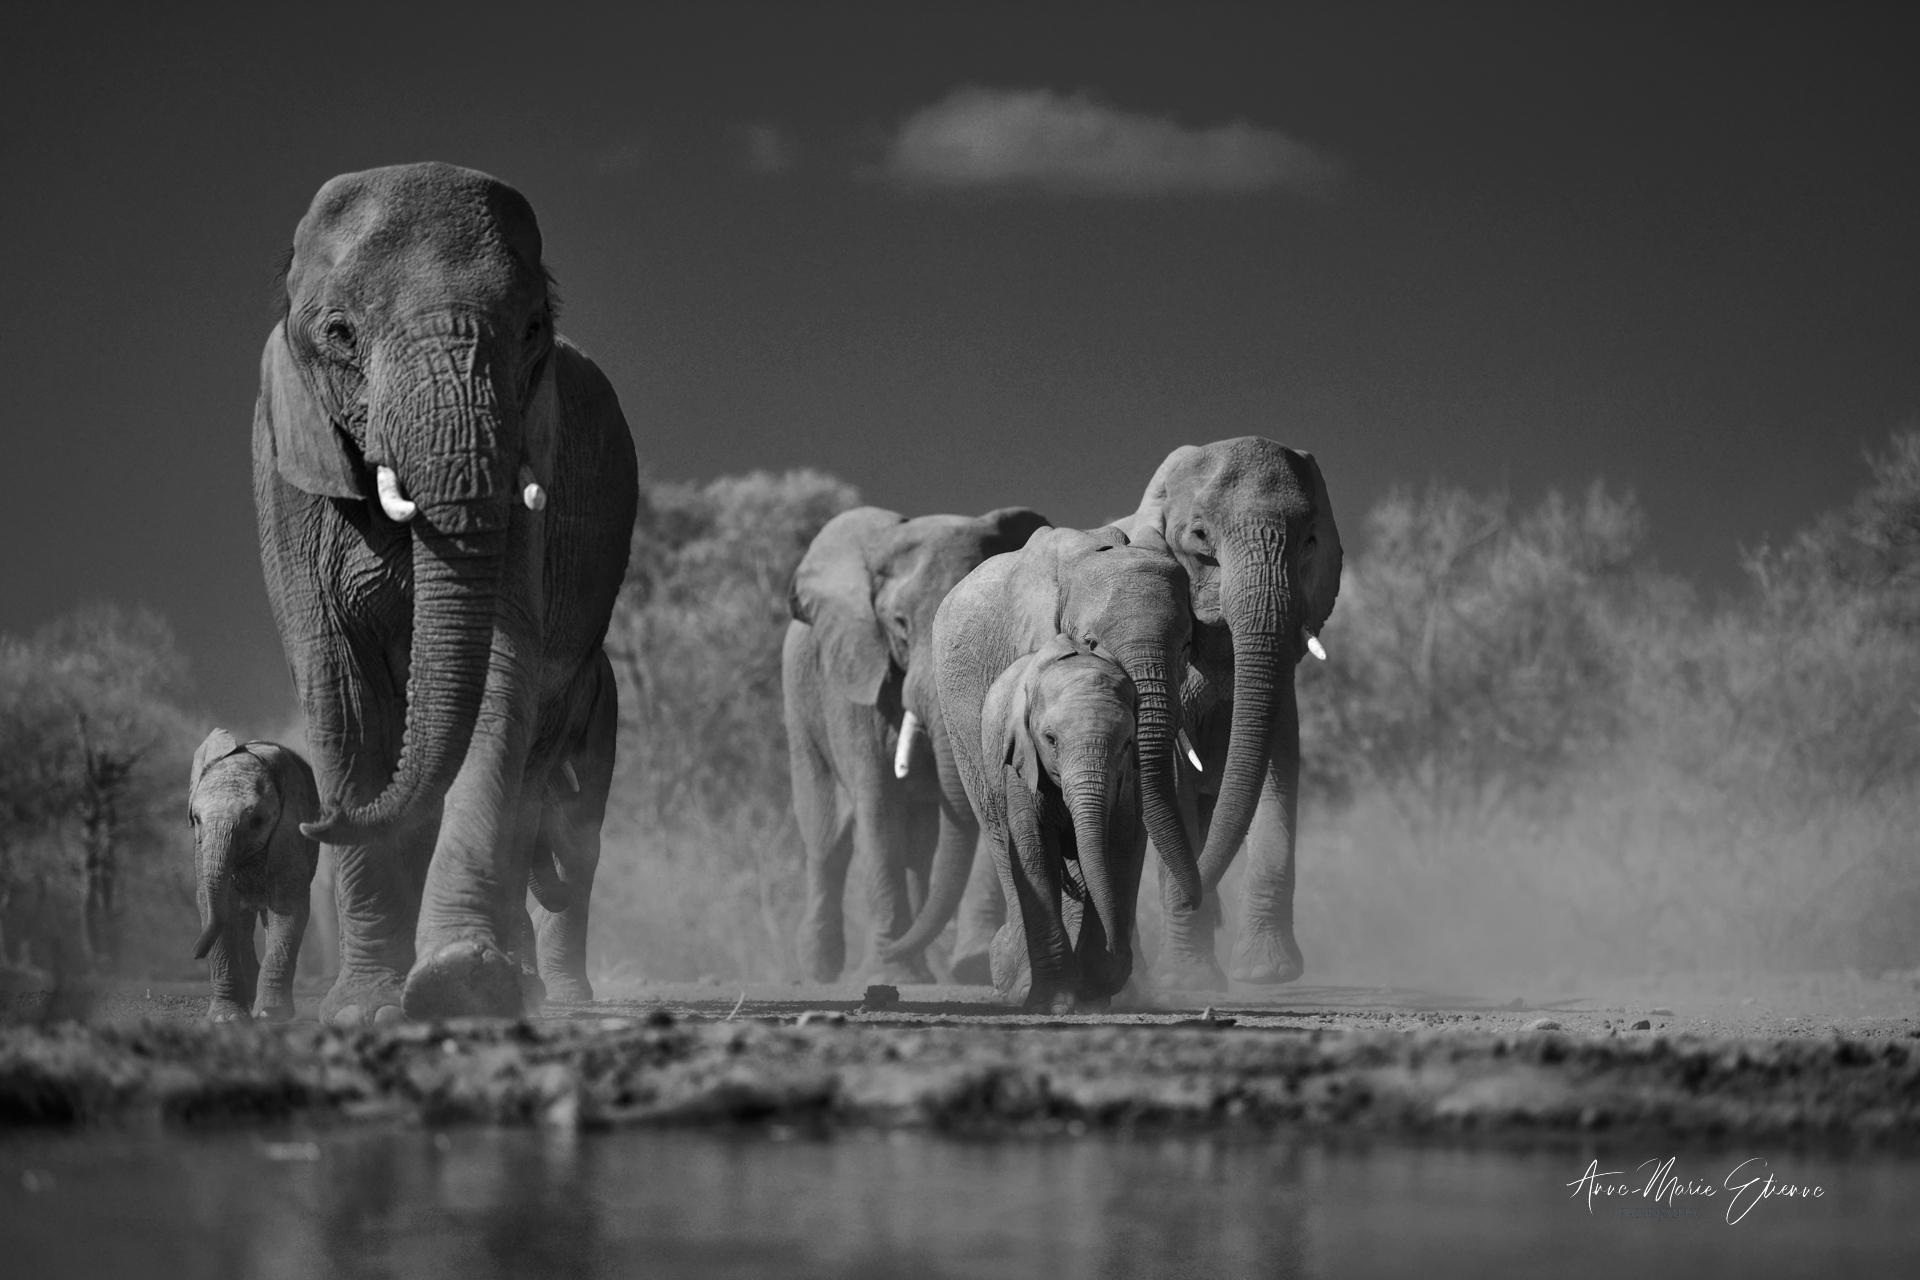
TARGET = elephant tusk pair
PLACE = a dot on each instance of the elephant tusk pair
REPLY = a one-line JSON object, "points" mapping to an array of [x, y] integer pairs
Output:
{"points": [[1314, 646], [902, 754], [400, 510]]}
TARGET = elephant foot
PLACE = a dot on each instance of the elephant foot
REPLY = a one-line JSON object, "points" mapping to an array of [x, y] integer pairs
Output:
{"points": [[533, 992], [275, 1008], [467, 978], [1054, 1000], [361, 1000], [1012, 976], [906, 971], [974, 969], [220, 1009], [1178, 972], [566, 988], [1267, 958]]}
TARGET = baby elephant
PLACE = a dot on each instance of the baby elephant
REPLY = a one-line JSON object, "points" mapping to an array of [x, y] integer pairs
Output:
{"points": [[1067, 837], [246, 803]]}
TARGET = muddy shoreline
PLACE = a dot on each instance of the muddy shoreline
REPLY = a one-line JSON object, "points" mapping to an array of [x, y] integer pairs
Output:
{"points": [[841, 1071]]}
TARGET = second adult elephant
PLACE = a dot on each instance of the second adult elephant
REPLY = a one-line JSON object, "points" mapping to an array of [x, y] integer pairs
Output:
{"points": [[1129, 605], [865, 739]]}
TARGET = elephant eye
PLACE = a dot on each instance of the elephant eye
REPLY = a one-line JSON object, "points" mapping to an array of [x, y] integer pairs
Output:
{"points": [[339, 336], [534, 326]]}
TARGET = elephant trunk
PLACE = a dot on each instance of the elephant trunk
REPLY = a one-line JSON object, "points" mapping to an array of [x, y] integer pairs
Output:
{"points": [[215, 859], [1088, 790], [952, 856], [448, 437], [1157, 717], [1260, 613]]}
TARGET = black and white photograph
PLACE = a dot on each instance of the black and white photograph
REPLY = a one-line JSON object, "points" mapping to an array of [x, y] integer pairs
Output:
{"points": [[863, 639]]}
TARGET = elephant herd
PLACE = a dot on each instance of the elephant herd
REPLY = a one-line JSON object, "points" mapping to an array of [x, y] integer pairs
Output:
{"points": [[445, 490]]}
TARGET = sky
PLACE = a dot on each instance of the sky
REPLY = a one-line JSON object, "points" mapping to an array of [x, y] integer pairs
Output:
{"points": [[965, 256]]}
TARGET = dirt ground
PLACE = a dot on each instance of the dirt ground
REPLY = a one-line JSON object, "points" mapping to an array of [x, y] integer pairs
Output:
{"points": [[1817, 1056]]}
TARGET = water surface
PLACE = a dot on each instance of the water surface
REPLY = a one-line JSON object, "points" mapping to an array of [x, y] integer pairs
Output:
{"points": [[481, 1203]]}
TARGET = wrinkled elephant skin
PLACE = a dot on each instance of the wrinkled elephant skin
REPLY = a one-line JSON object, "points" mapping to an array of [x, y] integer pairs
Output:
{"points": [[445, 492]]}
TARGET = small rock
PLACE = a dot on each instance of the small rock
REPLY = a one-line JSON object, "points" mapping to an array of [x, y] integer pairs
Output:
{"points": [[821, 1017], [1543, 1024], [1642, 1025], [880, 996], [291, 1151], [1661, 1013], [659, 1018]]}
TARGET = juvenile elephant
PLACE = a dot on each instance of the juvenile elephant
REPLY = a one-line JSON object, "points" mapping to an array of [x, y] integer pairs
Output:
{"points": [[1250, 522], [866, 742], [1126, 603], [252, 863], [445, 492], [1057, 737]]}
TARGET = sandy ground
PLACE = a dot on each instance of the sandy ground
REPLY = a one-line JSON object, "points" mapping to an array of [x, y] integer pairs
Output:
{"points": [[1827, 1057]]}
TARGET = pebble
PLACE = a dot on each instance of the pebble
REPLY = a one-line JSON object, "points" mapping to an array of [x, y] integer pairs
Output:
{"points": [[821, 1017], [1642, 1025], [1543, 1024], [879, 996]]}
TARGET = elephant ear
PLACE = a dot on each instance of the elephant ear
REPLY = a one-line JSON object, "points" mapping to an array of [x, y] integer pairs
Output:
{"points": [[299, 794], [1011, 526], [1151, 515], [832, 592], [310, 452], [1320, 572], [1005, 733], [218, 746]]}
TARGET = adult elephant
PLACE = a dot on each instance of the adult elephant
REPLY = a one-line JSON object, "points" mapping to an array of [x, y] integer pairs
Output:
{"points": [[1250, 522], [445, 492], [864, 733], [1126, 603]]}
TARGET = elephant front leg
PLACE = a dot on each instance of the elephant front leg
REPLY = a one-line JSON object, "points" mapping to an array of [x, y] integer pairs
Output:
{"points": [[983, 909], [881, 830], [376, 896], [232, 967], [826, 832], [1189, 962], [284, 931], [562, 935], [1265, 950], [1033, 881], [476, 883]]}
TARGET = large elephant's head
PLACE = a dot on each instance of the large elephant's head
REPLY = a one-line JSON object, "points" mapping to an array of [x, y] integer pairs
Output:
{"points": [[870, 584], [1128, 604], [411, 378], [1250, 522]]}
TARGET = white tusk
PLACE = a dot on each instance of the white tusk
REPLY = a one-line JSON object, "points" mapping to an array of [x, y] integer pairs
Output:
{"points": [[530, 491], [392, 501], [1181, 736], [909, 727], [573, 779], [1314, 646]]}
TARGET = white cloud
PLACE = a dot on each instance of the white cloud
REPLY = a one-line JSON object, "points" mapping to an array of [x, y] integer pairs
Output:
{"points": [[1040, 140], [767, 148]]}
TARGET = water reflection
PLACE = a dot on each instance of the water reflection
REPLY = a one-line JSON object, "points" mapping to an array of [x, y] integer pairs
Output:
{"points": [[477, 1203]]}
